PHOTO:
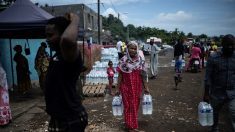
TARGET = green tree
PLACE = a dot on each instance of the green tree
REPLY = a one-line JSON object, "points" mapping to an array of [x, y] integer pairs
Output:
{"points": [[190, 35], [118, 30], [217, 40], [131, 31], [203, 36], [115, 26]]}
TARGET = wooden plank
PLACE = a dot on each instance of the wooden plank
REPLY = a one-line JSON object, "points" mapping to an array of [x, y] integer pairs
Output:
{"points": [[86, 83], [90, 84], [102, 89], [92, 91], [101, 84], [93, 84], [97, 91], [84, 89], [87, 90]]}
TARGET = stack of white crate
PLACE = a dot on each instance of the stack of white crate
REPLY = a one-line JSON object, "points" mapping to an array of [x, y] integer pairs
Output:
{"points": [[98, 74]]}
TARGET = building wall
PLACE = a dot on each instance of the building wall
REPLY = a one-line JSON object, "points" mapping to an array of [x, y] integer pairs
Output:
{"points": [[5, 57], [88, 17]]}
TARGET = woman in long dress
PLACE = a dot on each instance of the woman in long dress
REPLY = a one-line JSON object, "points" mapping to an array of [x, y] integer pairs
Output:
{"points": [[22, 70], [131, 79], [5, 111], [41, 64]]}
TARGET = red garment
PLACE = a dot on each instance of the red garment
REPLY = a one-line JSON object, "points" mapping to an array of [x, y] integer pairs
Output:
{"points": [[196, 51], [131, 88], [110, 71]]}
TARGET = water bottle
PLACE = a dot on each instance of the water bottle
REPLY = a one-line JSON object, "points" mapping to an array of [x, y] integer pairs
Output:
{"points": [[183, 63], [144, 105], [147, 106], [210, 118], [202, 115], [205, 63], [173, 63], [205, 114], [117, 106], [122, 107]]}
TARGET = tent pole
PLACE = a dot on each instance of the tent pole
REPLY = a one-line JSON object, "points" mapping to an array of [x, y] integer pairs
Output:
{"points": [[83, 48], [83, 58], [12, 69]]}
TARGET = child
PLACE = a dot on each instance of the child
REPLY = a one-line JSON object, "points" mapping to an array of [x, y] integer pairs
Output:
{"points": [[110, 72]]}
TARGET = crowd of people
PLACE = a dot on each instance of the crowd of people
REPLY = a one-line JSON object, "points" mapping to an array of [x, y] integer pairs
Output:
{"points": [[219, 77], [60, 73]]}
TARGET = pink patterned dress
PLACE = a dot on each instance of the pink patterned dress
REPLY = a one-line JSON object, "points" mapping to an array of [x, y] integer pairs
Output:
{"points": [[5, 112], [131, 90], [131, 87]]}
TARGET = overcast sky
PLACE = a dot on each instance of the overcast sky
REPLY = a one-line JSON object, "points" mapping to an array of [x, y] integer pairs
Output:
{"points": [[212, 17]]}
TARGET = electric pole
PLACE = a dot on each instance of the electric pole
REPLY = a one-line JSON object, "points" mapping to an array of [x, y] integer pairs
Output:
{"points": [[98, 21]]}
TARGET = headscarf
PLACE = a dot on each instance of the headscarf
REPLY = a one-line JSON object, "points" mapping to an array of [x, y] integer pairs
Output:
{"points": [[127, 63]]}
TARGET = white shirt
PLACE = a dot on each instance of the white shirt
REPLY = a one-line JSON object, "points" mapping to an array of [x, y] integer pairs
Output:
{"points": [[119, 45], [155, 49], [141, 54]]}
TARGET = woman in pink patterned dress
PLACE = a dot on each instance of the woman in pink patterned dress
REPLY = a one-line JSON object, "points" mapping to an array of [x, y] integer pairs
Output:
{"points": [[5, 112], [131, 79]]}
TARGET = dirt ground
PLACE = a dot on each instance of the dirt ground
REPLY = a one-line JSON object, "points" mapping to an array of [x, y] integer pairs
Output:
{"points": [[174, 110]]}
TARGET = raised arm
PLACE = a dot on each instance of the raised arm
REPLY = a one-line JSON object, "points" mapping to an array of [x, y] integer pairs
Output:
{"points": [[68, 42]]}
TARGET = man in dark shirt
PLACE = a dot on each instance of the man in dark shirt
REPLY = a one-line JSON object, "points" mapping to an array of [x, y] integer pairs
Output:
{"points": [[220, 80], [62, 102], [179, 52], [179, 48]]}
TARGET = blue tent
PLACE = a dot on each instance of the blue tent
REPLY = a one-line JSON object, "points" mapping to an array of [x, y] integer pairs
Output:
{"points": [[23, 19]]}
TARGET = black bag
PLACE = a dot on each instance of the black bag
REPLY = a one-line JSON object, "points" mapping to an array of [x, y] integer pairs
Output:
{"points": [[27, 49]]}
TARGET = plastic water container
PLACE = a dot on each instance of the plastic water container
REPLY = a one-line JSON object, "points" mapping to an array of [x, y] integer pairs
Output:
{"points": [[205, 63], [117, 106], [210, 118], [183, 63], [202, 115], [173, 63], [205, 114], [147, 105]]}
